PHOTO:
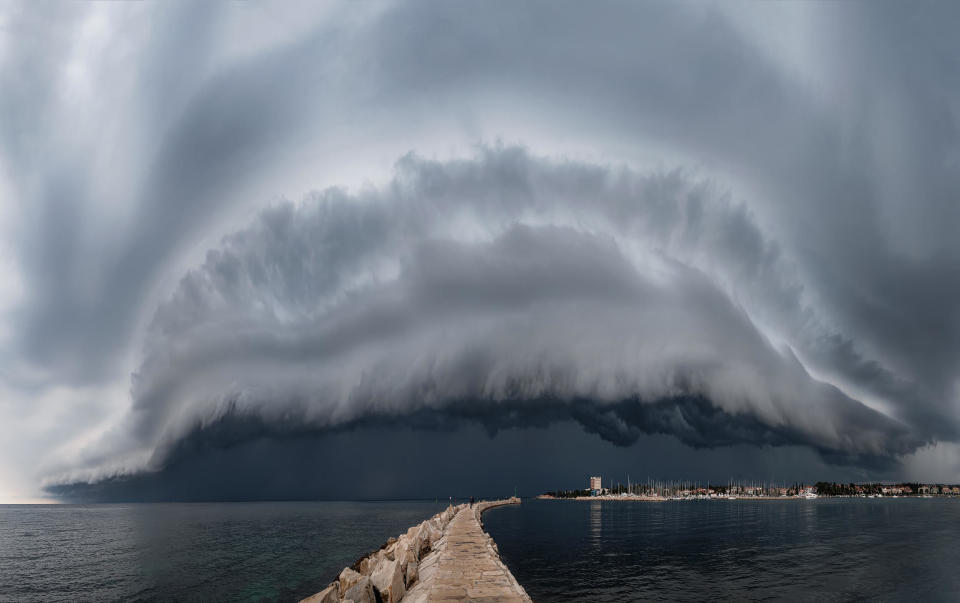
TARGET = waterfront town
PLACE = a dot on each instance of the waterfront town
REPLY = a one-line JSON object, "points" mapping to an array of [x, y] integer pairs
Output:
{"points": [[653, 490]]}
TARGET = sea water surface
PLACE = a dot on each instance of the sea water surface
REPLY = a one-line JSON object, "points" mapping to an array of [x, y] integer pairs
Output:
{"points": [[902, 549], [190, 552], [826, 549]]}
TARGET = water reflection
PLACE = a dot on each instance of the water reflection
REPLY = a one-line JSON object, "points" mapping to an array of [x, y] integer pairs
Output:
{"points": [[596, 523]]}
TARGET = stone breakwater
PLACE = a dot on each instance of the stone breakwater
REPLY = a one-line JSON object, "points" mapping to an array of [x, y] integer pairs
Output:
{"points": [[446, 558]]}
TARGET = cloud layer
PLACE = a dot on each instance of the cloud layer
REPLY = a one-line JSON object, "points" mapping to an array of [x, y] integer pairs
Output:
{"points": [[724, 222], [508, 289]]}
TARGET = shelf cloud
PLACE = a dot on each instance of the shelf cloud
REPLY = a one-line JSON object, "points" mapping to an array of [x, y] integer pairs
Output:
{"points": [[508, 290]]}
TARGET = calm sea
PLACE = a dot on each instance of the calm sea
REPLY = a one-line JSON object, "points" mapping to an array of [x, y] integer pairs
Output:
{"points": [[838, 549], [189, 552], [818, 550]]}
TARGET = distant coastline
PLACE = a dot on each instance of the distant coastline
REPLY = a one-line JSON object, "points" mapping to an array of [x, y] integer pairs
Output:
{"points": [[664, 491]]}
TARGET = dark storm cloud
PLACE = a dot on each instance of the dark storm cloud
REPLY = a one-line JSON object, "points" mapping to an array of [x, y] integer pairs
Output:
{"points": [[243, 459], [822, 243], [861, 190], [570, 302]]}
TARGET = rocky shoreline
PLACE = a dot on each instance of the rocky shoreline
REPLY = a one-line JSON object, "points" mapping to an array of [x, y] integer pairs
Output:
{"points": [[409, 567]]}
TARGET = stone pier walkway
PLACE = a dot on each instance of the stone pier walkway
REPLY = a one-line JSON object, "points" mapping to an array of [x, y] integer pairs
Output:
{"points": [[465, 564]]}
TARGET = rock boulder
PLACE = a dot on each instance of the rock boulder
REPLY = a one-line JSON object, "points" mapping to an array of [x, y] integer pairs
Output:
{"points": [[362, 592], [330, 594], [347, 579], [389, 579], [411, 573]]}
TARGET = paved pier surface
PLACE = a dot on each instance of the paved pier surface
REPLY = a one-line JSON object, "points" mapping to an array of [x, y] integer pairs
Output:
{"points": [[465, 565]]}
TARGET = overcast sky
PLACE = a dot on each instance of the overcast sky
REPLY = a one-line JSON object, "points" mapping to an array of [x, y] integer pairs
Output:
{"points": [[249, 249]]}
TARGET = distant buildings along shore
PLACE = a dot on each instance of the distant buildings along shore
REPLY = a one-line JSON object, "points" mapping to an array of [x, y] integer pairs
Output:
{"points": [[663, 490]]}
